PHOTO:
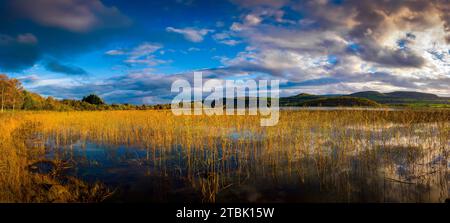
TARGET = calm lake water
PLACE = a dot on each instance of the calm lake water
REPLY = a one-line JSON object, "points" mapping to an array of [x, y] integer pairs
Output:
{"points": [[391, 174]]}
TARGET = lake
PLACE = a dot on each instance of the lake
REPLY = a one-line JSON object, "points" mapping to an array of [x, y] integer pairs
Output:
{"points": [[154, 156]]}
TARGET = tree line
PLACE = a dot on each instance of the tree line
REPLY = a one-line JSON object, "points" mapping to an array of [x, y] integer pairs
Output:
{"points": [[14, 97]]}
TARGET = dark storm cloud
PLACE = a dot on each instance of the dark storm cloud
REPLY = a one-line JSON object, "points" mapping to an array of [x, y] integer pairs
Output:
{"points": [[371, 16], [370, 19], [131, 88], [444, 7], [395, 37], [68, 69], [287, 40], [17, 53], [382, 77], [152, 88], [389, 57], [72, 15], [62, 28]]}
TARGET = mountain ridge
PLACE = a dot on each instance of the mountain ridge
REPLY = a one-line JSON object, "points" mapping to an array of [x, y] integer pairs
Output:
{"points": [[395, 98]]}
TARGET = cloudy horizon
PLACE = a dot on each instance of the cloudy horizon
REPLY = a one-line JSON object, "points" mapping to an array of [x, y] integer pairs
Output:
{"points": [[132, 52]]}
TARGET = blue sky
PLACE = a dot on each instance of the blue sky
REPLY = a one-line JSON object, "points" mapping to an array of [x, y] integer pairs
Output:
{"points": [[130, 52]]}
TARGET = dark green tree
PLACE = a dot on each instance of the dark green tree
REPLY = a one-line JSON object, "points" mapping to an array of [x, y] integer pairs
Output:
{"points": [[28, 102], [93, 99]]}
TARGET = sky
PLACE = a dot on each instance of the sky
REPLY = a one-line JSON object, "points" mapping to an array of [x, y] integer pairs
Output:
{"points": [[132, 51]]}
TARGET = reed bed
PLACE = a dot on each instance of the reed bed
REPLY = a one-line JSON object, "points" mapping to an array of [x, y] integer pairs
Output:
{"points": [[221, 156]]}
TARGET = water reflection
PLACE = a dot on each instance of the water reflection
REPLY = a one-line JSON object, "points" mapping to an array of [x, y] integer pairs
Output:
{"points": [[248, 174]]}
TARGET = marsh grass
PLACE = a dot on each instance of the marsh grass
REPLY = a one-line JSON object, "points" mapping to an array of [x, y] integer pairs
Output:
{"points": [[220, 155]]}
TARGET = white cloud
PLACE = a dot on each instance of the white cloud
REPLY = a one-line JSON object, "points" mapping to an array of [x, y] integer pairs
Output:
{"points": [[252, 19], [191, 34], [114, 52], [143, 54], [226, 38], [300, 51], [230, 42], [144, 49], [236, 26]]}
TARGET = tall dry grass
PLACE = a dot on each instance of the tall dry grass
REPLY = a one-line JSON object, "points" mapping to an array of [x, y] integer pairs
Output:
{"points": [[220, 152]]}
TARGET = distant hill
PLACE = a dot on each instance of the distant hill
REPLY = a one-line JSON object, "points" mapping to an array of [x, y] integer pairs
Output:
{"points": [[412, 94], [375, 98], [306, 100], [405, 98], [341, 101], [297, 100]]}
